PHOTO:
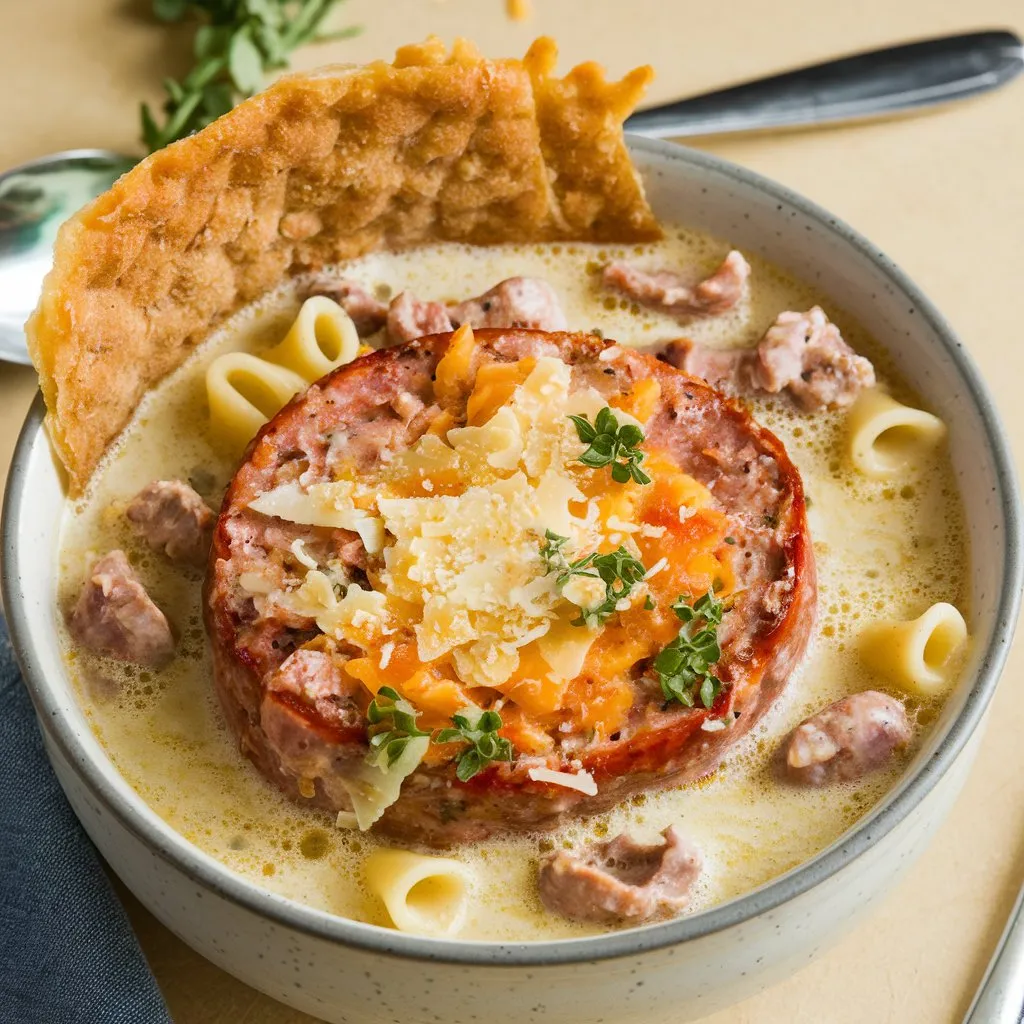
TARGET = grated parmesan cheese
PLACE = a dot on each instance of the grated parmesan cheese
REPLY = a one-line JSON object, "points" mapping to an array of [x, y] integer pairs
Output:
{"points": [[581, 781], [658, 566]]}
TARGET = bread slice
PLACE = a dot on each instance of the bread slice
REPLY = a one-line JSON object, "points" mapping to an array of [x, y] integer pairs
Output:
{"points": [[437, 146]]}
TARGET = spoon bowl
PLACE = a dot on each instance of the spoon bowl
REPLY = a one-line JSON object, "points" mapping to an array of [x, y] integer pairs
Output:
{"points": [[35, 199]]}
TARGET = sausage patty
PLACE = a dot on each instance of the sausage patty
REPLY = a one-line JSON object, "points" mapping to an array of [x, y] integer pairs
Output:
{"points": [[302, 719]]}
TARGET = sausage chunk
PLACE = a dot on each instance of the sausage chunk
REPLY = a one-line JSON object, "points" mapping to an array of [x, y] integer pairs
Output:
{"points": [[368, 313], [173, 519], [410, 318], [675, 293], [621, 880], [805, 355], [116, 617], [802, 354], [846, 740], [515, 302]]}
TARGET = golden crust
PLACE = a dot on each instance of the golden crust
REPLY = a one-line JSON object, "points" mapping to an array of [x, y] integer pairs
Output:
{"points": [[319, 168]]}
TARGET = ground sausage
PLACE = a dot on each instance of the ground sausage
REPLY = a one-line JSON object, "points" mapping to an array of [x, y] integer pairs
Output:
{"points": [[846, 740], [115, 616], [173, 519], [515, 302], [621, 880], [368, 313], [339, 423], [801, 354], [410, 318], [676, 293]]}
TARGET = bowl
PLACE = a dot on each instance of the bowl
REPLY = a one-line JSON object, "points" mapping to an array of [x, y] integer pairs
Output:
{"points": [[344, 970]]}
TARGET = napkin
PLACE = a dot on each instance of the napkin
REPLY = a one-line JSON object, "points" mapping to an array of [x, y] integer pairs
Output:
{"points": [[67, 952]]}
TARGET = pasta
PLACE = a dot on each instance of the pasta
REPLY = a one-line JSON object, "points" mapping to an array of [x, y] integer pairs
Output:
{"points": [[321, 339], [918, 655], [244, 391], [424, 895], [885, 436]]}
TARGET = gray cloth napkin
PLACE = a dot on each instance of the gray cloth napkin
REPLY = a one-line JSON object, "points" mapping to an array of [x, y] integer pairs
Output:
{"points": [[67, 952]]}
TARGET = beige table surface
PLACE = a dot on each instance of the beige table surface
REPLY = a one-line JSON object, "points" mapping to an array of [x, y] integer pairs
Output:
{"points": [[942, 194]]}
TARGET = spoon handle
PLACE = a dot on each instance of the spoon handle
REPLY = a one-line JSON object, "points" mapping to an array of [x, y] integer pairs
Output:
{"points": [[863, 85], [1001, 996]]}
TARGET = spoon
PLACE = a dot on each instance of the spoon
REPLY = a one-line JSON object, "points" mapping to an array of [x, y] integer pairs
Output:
{"points": [[1000, 999], [36, 197]]}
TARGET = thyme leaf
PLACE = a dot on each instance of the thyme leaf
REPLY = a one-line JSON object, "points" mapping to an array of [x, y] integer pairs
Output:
{"points": [[684, 665], [618, 570], [392, 724], [485, 745], [609, 444]]}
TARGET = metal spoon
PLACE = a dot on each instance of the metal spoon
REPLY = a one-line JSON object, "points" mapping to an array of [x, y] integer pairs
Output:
{"points": [[1000, 999], [36, 197], [876, 83]]}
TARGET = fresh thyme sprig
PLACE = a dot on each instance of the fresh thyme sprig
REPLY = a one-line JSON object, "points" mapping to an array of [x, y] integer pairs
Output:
{"points": [[610, 444], [392, 724], [551, 551], [618, 570], [485, 745], [236, 44], [684, 666]]}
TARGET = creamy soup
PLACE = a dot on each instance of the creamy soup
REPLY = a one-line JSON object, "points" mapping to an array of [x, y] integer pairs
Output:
{"points": [[884, 550]]}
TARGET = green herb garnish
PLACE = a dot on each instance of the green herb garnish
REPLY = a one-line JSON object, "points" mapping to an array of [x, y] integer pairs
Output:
{"points": [[485, 745], [236, 44], [618, 570], [684, 666], [392, 724], [612, 445], [551, 551]]}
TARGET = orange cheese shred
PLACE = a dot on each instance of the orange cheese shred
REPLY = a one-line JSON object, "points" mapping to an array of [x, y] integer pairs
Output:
{"points": [[641, 401], [453, 372], [493, 387]]}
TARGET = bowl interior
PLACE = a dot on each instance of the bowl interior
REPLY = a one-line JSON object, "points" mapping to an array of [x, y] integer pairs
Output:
{"points": [[753, 214]]}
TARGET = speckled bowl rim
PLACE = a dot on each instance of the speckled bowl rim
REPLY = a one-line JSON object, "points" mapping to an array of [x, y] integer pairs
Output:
{"points": [[203, 870]]}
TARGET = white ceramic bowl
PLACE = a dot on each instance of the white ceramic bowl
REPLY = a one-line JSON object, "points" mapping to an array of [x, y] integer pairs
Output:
{"points": [[346, 971]]}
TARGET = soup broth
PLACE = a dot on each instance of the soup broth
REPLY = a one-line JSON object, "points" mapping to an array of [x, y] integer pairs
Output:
{"points": [[883, 550]]}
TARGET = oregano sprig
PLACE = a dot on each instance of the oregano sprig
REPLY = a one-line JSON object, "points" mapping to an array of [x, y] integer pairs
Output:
{"points": [[684, 666], [238, 42], [485, 745], [392, 724], [609, 444]]}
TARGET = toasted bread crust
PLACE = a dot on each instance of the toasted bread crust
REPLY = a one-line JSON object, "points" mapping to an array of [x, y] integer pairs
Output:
{"points": [[321, 167]]}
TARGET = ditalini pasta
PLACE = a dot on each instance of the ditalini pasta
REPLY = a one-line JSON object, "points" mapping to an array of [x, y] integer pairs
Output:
{"points": [[886, 437], [920, 654], [244, 390], [321, 339], [423, 895]]}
